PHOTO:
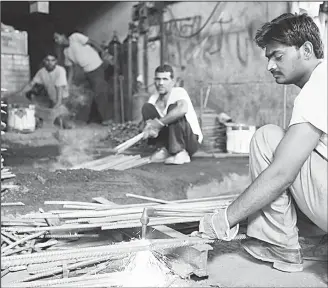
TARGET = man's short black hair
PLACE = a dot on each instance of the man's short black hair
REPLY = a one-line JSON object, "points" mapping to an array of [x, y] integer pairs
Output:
{"points": [[165, 68], [50, 53], [291, 30]]}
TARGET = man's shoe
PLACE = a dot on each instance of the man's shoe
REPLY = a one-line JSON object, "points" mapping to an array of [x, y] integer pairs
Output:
{"points": [[160, 155], [107, 122], [179, 158], [283, 259]]}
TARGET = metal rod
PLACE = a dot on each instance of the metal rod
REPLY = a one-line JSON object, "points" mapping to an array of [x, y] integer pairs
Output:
{"points": [[145, 60], [122, 98], [115, 78], [161, 33], [147, 198], [130, 75]]}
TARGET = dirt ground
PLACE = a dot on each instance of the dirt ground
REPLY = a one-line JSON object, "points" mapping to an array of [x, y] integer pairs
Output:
{"points": [[35, 157]]}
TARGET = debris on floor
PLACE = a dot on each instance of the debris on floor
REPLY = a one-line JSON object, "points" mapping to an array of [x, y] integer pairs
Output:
{"points": [[6, 175]]}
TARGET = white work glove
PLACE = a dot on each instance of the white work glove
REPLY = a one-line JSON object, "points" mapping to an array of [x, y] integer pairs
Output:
{"points": [[216, 226]]}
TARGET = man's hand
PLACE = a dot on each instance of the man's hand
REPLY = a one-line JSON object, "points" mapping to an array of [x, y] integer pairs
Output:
{"points": [[152, 128], [216, 226]]}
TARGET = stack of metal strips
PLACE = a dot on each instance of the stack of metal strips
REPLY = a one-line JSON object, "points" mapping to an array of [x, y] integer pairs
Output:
{"points": [[5, 172]]}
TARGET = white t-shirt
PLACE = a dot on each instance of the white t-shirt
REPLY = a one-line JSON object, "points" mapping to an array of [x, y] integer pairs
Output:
{"points": [[179, 93], [51, 80], [82, 54], [310, 105]]}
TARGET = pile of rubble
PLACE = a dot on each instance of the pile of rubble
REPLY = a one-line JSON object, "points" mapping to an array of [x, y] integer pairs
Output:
{"points": [[121, 132]]}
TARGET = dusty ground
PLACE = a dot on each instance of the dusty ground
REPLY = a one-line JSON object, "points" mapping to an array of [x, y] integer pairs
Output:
{"points": [[34, 158]]}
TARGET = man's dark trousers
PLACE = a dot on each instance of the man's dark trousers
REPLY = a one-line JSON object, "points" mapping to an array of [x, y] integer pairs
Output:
{"points": [[99, 86], [175, 137]]}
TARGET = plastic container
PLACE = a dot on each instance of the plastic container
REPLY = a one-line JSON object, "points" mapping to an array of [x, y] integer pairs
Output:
{"points": [[21, 119], [239, 137]]}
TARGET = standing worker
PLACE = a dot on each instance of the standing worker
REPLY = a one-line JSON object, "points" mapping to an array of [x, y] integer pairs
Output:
{"points": [[84, 52], [171, 120], [288, 168]]}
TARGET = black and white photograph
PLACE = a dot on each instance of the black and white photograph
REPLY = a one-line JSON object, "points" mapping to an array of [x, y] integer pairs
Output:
{"points": [[164, 144]]}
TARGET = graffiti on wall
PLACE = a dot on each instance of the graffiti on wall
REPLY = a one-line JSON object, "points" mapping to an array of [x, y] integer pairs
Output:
{"points": [[199, 41]]}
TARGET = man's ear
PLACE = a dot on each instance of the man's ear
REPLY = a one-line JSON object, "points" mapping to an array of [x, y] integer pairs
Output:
{"points": [[307, 48]]}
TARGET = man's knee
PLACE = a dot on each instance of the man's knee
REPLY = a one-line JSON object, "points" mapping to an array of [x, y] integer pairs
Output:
{"points": [[268, 135]]}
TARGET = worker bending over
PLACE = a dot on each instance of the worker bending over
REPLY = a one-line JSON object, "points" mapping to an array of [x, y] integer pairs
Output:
{"points": [[52, 78], [49, 86], [171, 121], [288, 168], [82, 51]]}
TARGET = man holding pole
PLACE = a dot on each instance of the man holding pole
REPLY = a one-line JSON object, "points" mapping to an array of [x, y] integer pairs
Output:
{"points": [[288, 168], [171, 120]]}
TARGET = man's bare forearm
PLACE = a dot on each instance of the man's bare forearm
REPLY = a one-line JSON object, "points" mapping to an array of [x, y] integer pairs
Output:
{"points": [[26, 88], [264, 190], [175, 114], [60, 92]]}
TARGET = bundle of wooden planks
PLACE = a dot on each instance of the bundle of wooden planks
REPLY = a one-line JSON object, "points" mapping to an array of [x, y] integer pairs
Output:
{"points": [[115, 162], [85, 215], [5, 172], [40, 242]]}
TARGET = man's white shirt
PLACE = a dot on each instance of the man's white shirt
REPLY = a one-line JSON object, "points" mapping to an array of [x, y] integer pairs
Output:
{"points": [[310, 105], [179, 93]]}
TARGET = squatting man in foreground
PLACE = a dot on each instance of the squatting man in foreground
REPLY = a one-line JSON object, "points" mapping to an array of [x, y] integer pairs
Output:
{"points": [[287, 167], [171, 121]]}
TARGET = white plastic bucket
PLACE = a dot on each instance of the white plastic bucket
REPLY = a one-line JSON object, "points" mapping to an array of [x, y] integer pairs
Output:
{"points": [[239, 137], [21, 119]]}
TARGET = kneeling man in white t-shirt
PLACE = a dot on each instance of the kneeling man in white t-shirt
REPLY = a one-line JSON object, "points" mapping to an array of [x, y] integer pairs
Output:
{"points": [[171, 120]]}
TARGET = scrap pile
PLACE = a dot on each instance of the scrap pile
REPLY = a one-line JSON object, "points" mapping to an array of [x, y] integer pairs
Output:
{"points": [[45, 245], [6, 175], [121, 132]]}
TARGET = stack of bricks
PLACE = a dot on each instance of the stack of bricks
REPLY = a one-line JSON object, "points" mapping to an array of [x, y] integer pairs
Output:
{"points": [[15, 64]]}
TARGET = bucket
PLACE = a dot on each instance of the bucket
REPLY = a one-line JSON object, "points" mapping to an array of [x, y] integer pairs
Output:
{"points": [[21, 119], [239, 137]]}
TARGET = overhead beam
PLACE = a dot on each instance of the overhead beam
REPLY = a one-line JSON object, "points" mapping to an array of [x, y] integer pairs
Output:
{"points": [[39, 7]]}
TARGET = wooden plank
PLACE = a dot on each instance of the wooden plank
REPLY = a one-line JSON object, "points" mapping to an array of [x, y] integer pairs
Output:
{"points": [[12, 204], [133, 164], [123, 164], [103, 200], [94, 162], [147, 198], [120, 159], [127, 144]]}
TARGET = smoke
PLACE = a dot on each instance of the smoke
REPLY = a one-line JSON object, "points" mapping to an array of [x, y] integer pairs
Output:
{"points": [[77, 146]]}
